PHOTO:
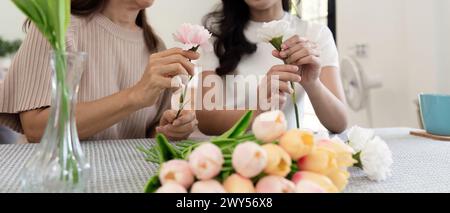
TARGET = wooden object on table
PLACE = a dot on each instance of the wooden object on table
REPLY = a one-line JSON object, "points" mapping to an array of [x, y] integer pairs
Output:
{"points": [[424, 134]]}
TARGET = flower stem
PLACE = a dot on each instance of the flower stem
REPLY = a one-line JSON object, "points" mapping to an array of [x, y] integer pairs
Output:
{"points": [[182, 98], [294, 100]]}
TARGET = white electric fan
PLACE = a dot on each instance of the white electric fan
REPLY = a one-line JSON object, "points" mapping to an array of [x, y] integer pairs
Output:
{"points": [[357, 86]]}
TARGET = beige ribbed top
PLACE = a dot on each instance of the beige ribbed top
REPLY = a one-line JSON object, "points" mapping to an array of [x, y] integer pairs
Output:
{"points": [[117, 59]]}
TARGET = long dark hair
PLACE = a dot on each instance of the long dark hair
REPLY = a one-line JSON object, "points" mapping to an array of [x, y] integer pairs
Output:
{"points": [[87, 8], [227, 24]]}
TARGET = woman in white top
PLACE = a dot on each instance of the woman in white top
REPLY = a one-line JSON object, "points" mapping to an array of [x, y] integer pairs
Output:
{"points": [[237, 51]]}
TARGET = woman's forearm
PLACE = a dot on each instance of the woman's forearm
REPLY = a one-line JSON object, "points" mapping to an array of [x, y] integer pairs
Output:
{"points": [[91, 117], [329, 109]]}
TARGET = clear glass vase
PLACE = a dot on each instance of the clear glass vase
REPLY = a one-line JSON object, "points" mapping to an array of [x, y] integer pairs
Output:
{"points": [[58, 164]]}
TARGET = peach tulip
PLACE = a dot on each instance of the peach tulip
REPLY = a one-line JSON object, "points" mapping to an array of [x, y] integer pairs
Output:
{"points": [[269, 126], [340, 178], [344, 153], [275, 184], [297, 143], [321, 180], [321, 160], [238, 184], [177, 171], [206, 161], [306, 186], [279, 162], [207, 186], [171, 187], [249, 159]]}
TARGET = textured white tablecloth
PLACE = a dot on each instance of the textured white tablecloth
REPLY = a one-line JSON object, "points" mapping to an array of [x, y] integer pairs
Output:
{"points": [[420, 165]]}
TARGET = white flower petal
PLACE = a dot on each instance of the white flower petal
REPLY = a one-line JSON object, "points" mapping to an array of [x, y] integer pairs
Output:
{"points": [[376, 158], [358, 137]]}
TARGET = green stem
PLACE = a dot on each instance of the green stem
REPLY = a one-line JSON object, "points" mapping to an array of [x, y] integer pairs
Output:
{"points": [[182, 98], [357, 157], [294, 100], [67, 158]]}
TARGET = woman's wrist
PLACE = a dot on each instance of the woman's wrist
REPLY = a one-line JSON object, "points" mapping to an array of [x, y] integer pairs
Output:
{"points": [[313, 87], [134, 98]]}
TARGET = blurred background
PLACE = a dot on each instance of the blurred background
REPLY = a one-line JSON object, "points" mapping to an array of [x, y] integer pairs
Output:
{"points": [[390, 51]]}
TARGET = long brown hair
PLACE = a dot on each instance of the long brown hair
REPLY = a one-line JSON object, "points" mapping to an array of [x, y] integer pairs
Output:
{"points": [[86, 8]]}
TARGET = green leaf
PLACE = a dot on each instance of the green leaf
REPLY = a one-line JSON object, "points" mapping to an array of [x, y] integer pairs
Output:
{"points": [[240, 128], [152, 185], [167, 151]]}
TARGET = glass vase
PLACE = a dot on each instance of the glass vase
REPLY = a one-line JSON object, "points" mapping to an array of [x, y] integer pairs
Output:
{"points": [[58, 164]]}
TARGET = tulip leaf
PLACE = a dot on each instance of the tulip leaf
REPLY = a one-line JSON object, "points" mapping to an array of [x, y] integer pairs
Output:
{"points": [[166, 150], [240, 128], [152, 185]]}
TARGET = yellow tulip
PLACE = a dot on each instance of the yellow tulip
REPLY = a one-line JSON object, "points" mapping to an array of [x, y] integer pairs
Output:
{"points": [[340, 178], [321, 160], [297, 143], [279, 161], [344, 153]]}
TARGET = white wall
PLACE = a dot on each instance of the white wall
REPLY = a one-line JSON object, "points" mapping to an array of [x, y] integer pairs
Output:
{"points": [[11, 21], [167, 15], [408, 46]]}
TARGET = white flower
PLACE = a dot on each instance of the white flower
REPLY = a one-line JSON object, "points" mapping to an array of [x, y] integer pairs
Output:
{"points": [[376, 159], [275, 29], [358, 137]]}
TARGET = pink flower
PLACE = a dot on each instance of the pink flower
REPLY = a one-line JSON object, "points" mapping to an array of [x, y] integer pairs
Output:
{"points": [[177, 171], [238, 184], [306, 186], [321, 180], [171, 187], [274, 184], [269, 126], [207, 186], [206, 161], [193, 37], [249, 159]]}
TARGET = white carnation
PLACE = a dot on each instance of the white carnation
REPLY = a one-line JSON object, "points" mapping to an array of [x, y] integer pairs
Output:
{"points": [[274, 29], [358, 137], [376, 159]]}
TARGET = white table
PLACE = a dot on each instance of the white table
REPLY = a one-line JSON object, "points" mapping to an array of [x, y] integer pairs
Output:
{"points": [[420, 165]]}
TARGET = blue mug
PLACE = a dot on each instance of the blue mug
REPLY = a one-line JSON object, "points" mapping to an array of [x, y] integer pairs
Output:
{"points": [[435, 113]]}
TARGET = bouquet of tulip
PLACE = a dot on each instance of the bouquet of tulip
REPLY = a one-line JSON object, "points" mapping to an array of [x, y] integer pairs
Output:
{"points": [[192, 37], [275, 32], [271, 160]]}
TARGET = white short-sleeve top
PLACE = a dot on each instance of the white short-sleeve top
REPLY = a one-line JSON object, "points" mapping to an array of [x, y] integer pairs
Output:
{"points": [[260, 62]]}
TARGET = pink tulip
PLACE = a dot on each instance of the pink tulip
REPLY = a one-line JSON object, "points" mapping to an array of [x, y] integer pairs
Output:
{"points": [[206, 161], [269, 126], [207, 186], [177, 171], [238, 184], [249, 159], [171, 187], [321, 180], [193, 36], [306, 186], [274, 184]]}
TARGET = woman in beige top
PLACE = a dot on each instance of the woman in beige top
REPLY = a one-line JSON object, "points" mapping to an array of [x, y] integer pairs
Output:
{"points": [[124, 93]]}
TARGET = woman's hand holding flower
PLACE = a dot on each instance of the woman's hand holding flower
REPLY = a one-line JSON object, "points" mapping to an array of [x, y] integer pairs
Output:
{"points": [[304, 54], [177, 128], [161, 68]]}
